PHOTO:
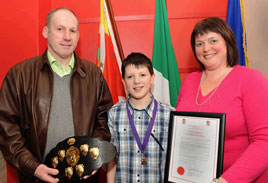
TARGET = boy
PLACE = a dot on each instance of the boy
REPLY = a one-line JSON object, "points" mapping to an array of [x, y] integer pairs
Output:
{"points": [[139, 127]]}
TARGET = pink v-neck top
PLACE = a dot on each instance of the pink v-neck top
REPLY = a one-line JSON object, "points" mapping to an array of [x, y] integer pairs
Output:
{"points": [[243, 96]]}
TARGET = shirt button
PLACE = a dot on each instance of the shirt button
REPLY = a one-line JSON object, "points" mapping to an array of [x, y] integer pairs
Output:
{"points": [[138, 151], [139, 117], [138, 181], [125, 129], [138, 175]]}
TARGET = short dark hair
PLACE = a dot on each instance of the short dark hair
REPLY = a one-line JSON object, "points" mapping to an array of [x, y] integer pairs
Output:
{"points": [[137, 59], [51, 13], [217, 25]]}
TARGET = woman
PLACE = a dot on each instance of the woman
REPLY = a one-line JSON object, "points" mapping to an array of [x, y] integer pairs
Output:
{"points": [[222, 86]]}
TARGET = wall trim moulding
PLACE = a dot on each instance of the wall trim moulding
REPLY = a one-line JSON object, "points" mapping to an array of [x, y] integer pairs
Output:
{"points": [[149, 17]]}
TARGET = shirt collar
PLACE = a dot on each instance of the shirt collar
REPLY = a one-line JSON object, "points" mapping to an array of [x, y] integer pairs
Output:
{"points": [[52, 60], [148, 109]]}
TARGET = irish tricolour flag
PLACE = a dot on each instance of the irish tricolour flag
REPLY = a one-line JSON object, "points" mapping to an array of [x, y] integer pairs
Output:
{"points": [[167, 81]]}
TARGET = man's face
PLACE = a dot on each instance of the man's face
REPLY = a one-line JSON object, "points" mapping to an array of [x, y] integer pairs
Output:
{"points": [[62, 35]]}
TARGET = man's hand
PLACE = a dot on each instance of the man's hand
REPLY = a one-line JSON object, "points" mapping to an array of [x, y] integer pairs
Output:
{"points": [[44, 173], [87, 176]]}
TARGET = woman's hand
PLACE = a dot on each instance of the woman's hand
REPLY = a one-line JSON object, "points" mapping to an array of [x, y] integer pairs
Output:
{"points": [[220, 180]]}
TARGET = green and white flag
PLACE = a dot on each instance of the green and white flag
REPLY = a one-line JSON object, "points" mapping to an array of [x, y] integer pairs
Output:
{"points": [[167, 79]]}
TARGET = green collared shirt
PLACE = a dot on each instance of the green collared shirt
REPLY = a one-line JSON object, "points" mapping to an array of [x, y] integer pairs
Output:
{"points": [[57, 67]]}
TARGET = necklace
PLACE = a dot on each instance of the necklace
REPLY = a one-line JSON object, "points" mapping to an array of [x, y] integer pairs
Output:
{"points": [[208, 96], [214, 91]]}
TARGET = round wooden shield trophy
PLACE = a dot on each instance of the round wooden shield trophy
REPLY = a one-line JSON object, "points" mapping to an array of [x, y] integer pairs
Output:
{"points": [[79, 156]]}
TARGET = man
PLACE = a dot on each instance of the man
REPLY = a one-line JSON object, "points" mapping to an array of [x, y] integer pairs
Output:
{"points": [[48, 98]]}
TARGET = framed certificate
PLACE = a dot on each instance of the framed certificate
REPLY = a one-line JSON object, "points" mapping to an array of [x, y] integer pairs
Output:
{"points": [[195, 147]]}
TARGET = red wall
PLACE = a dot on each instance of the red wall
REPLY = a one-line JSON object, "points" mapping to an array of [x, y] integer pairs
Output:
{"points": [[18, 32], [22, 22]]}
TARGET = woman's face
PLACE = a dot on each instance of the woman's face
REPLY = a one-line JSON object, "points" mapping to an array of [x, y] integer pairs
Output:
{"points": [[211, 50]]}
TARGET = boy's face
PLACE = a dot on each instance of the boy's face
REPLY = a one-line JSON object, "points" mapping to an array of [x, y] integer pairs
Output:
{"points": [[138, 81]]}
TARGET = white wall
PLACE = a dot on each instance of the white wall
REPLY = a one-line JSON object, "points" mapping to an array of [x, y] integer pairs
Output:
{"points": [[256, 14]]}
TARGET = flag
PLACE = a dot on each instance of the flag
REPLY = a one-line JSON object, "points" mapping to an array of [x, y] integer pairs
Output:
{"points": [[236, 20], [8, 173], [108, 56], [167, 79]]}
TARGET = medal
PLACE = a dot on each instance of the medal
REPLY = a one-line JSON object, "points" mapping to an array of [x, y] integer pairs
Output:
{"points": [[143, 161], [142, 146]]}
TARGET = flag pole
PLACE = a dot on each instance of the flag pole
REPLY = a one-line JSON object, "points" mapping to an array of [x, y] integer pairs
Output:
{"points": [[117, 39]]}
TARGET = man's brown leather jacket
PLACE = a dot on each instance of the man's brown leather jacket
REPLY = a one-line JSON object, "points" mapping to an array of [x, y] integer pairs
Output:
{"points": [[25, 104]]}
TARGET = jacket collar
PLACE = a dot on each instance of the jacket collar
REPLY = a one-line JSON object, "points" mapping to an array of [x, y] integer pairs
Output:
{"points": [[79, 67]]}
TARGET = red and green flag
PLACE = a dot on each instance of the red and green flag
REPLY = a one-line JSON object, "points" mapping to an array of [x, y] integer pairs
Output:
{"points": [[108, 56]]}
